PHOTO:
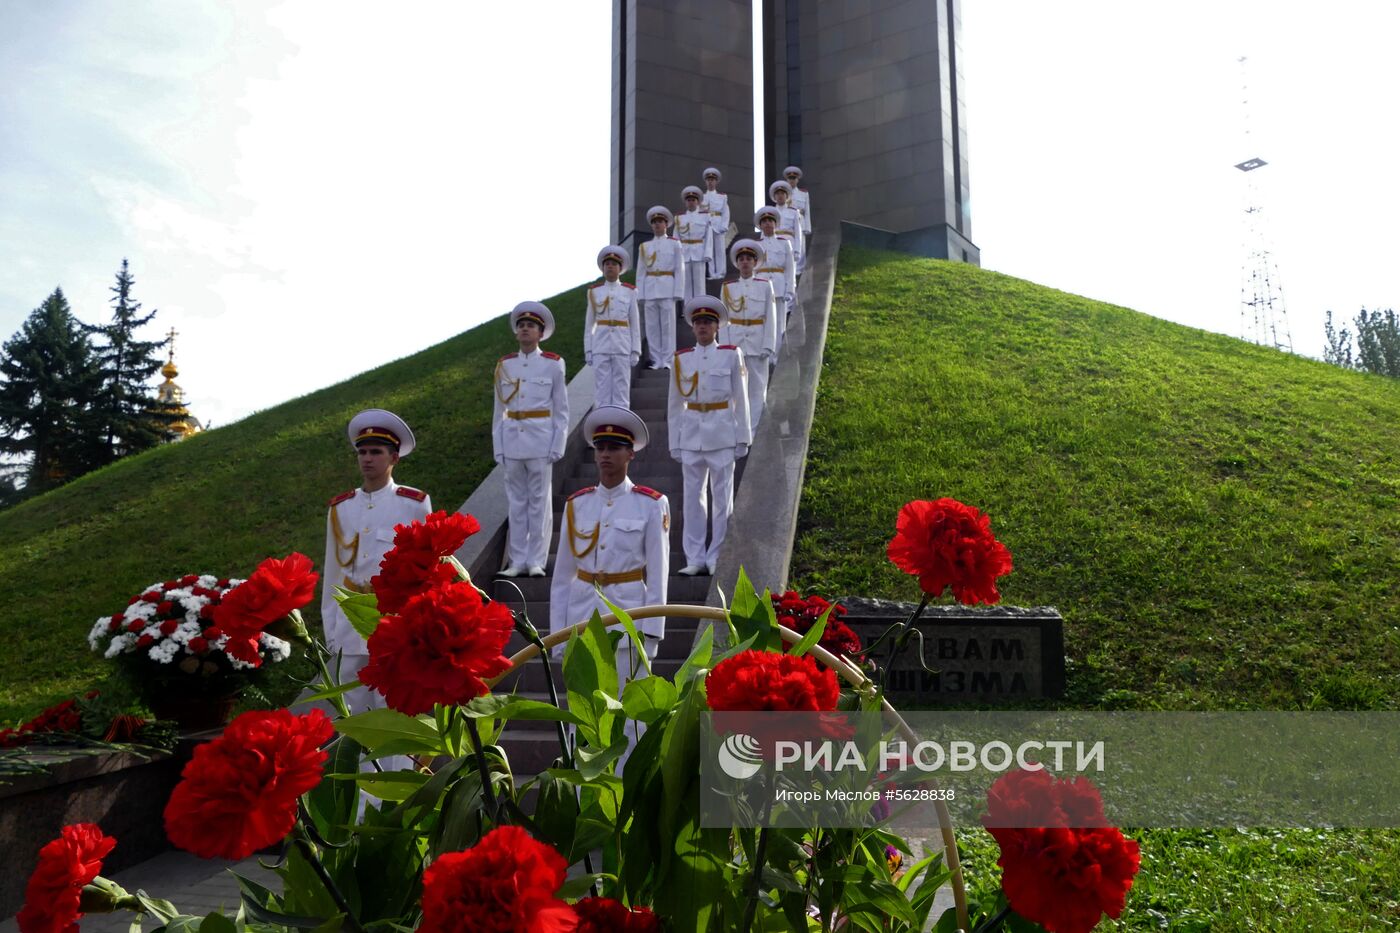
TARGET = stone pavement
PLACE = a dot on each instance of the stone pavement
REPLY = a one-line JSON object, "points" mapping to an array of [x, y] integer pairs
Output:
{"points": [[194, 885]]}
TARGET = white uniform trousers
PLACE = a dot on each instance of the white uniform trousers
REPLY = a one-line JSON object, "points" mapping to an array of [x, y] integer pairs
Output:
{"points": [[756, 368], [659, 325], [361, 700], [714, 256], [531, 518], [703, 472], [694, 280], [612, 379]]}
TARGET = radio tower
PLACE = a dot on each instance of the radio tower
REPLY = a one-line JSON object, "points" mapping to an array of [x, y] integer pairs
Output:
{"points": [[1263, 313]]}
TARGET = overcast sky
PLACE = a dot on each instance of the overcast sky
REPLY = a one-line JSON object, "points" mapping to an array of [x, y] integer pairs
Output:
{"points": [[306, 190]]}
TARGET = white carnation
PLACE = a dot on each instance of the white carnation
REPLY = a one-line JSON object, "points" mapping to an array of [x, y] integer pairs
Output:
{"points": [[275, 648], [180, 592], [208, 581], [164, 651], [120, 644], [99, 628]]}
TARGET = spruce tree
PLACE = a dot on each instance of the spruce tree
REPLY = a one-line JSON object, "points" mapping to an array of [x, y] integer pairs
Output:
{"points": [[48, 380], [126, 413]]}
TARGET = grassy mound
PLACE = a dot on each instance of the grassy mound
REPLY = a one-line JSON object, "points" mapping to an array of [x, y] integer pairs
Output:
{"points": [[1218, 523], [222, 501]]}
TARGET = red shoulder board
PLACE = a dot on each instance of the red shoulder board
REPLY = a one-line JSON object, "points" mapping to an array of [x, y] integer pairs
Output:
{"points": [[686, 350], [672, 238], [581, 492], [647, 491], [731, 281], [508, 356], [628, 285], [757, 279], [408, 492], [342, 497], [550, 356], [803, 190], [597, 285], [728, 346]]}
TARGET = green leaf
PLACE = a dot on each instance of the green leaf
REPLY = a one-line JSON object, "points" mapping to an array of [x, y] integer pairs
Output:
{"points": [[699, 659], [814, 634], [694, 884], [649, 699], [160, 909], [389, 732], [215, 922], [332, 925], [258, 913], [507, 706], [578, 885], [590, 664], [362, 609], [386, 785], [753, 617], [328, 693], [632, 633], [332, 804], [592, 763]]}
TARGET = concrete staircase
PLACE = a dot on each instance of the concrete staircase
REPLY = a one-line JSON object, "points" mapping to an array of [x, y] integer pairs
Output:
{"points": [[532, 746]]}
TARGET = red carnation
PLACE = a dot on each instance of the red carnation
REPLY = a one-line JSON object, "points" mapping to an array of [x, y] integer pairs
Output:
{"points": [[274, 590], [800, 614], [763, 680], [145, 641], [503, 884], [949, 544], [414, 564], [213, 633], [239, 793], [116, 623], [198, 645], [1063, 865], [54, 892], [135, 625], [439, 649], [164, 607], [169, 626], [605, 915]]}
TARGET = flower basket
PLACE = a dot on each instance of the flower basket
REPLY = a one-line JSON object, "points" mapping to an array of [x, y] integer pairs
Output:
{"points": [[193, 712]]}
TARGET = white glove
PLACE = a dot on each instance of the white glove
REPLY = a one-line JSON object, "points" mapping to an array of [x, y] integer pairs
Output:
{"points": [[500, 460], [675, 454], [634, 359], [555, 458], [588, 358], [741, 451]]}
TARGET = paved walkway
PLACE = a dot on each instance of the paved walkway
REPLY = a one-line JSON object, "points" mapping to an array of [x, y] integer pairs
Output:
{"points": [[194, 885]]}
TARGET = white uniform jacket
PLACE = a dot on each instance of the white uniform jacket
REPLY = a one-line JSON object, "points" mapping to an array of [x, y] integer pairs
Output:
{"points": [[752, 325], [802, 200], [708, 408], [718, 206], [791, 226], [612, 324], [615, 539], [693, 229], [531, 417], [365, 522], [660, 269], [778, 267]]}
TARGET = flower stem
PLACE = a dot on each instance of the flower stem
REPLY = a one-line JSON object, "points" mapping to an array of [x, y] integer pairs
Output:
{"points": [[756, 883], [314, 859], [996, 922], [901, 641], [488, 790]]}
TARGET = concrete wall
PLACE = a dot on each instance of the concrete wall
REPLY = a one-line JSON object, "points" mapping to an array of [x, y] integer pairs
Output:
{"points": [[866, 96], [682, 100]]}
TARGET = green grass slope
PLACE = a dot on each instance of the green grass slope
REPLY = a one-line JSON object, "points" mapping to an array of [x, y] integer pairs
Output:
{"points": [[1218, 523], [222, 501]]}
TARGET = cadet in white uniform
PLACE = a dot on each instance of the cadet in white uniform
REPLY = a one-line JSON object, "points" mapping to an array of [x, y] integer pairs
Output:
{"points": [[800, 198], [660, 283], [708, 421], [693, 228], [790, 224], [751, 324], [360, 531], [528, 428], [616, 536], [777, 266], [612, 331], [717, 204]]}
